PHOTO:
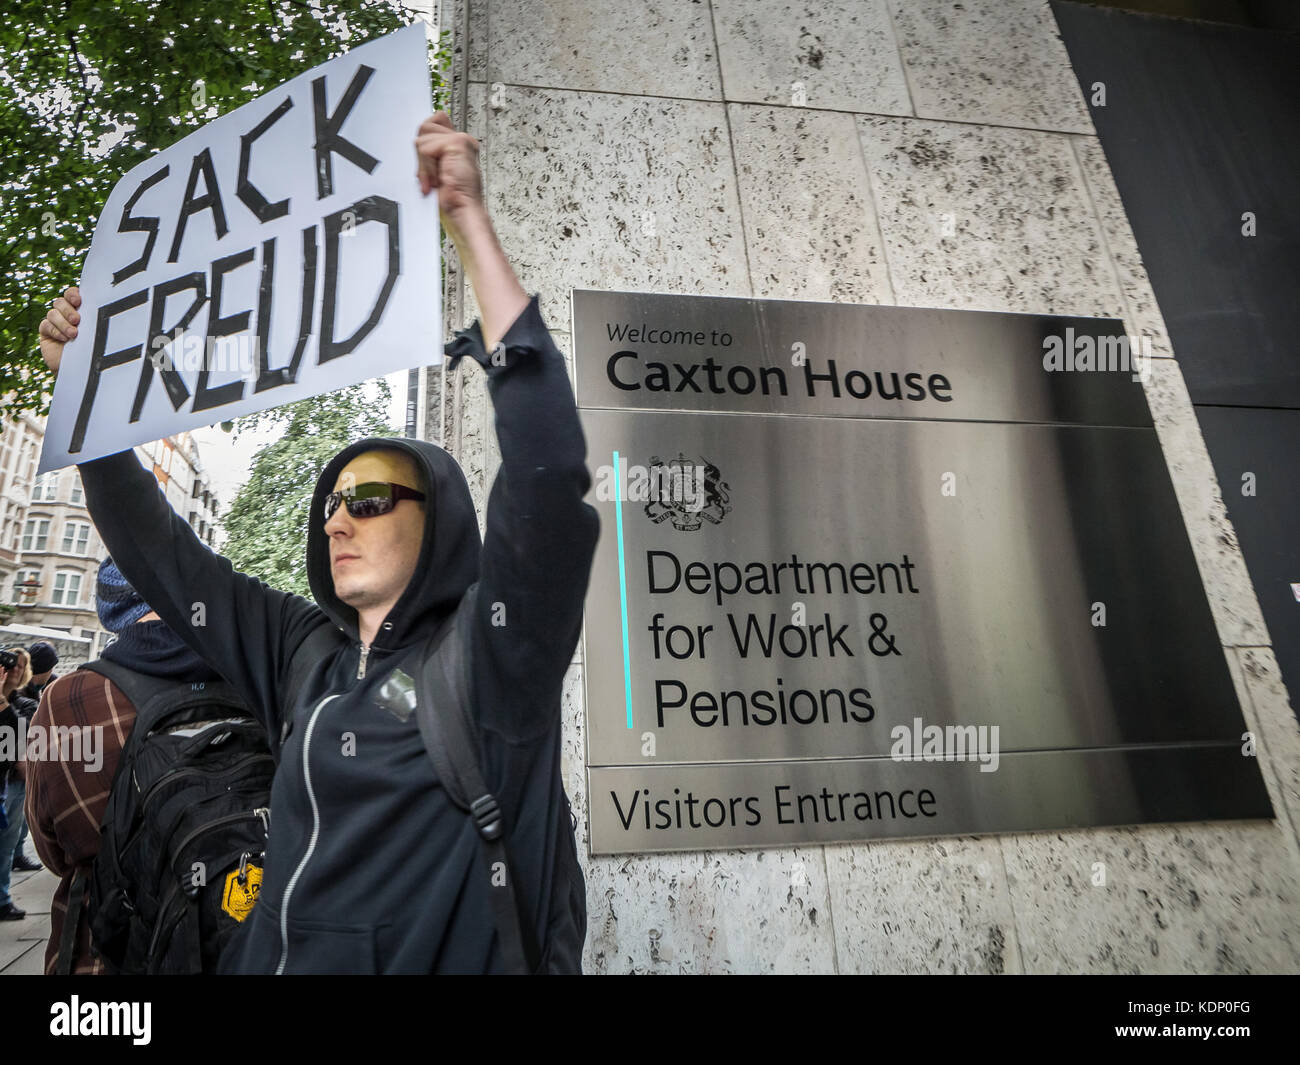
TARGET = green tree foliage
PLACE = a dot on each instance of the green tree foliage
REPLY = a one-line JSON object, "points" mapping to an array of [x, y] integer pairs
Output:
{"points": [[91, 88], [266, 526]]}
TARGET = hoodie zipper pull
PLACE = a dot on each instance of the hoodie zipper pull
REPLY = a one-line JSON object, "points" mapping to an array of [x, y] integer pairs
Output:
{"points": [[361, 664]]}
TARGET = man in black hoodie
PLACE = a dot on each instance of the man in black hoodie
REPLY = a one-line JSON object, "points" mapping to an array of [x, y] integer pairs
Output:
{"points": [[369, 866]]}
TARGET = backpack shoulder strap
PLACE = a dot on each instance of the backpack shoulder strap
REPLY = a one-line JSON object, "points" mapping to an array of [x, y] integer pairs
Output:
{"points": [[442, 710], [449, 734], [139, 688], [150, 695]]}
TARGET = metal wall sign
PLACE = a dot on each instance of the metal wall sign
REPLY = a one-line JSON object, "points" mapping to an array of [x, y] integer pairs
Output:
{"points": [[875, 572]]}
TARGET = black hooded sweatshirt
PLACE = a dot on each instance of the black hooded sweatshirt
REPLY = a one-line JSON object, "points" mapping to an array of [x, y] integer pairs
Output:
{"points": [[370, 868]]}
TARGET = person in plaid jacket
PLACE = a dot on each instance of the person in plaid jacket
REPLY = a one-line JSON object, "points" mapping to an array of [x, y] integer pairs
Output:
{"points": [[66, 798]]}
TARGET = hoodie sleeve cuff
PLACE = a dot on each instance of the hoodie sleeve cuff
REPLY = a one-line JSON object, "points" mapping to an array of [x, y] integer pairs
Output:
{"points": [[527, 335]]}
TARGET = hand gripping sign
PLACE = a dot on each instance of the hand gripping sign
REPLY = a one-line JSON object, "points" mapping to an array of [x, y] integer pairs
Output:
{"points": [[282, 251]]}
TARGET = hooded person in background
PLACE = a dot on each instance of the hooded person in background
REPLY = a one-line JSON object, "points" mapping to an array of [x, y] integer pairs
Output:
{"points": [[66, 798], [369, 866], [44, 659]]}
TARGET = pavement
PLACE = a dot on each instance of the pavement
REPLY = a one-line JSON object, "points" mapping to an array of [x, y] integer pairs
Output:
{"points": [[22, 943]]}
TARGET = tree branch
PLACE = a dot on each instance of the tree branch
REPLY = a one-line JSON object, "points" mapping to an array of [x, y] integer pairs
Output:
{"points": [[85, 88]]}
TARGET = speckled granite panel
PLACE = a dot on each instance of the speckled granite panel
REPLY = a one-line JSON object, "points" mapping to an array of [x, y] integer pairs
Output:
{"points": [[839, 55], [434, 378], [707, 912], [573, 752], [1001, 62], [459, 307], [589, 44], [1203, 897], [476, 125], [925, 906], [598, 191], [810, 224], [474, 430], [476, 99], [478, 38], [1143, 317], [1277, 730], [1214, 541], [986, 218]]}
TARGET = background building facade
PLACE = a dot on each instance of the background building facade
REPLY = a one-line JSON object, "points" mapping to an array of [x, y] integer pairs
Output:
{"points": [[49, 548], [20, 450]]}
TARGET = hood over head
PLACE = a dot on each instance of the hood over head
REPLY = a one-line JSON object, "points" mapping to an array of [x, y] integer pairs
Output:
{"points": [[449, 557]]}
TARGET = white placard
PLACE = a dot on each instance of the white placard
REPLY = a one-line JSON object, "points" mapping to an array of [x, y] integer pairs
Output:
{"points": [[282, 251]]}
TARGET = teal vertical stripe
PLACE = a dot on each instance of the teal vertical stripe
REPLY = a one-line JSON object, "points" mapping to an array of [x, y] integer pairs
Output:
{"points": [[622, 589]]}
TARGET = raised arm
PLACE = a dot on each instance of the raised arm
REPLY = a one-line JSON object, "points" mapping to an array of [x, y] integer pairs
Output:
{"points": [[540, 535], [245, 629]]}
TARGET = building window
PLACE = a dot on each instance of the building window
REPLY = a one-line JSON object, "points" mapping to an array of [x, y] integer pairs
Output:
{"points": [[67, 588], [26, 585], [35, 534], [76, 534], [46, 488], [76, 490]]}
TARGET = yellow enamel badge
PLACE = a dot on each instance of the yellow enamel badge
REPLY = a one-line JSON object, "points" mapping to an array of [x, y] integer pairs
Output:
{"points": [[239, 898]]}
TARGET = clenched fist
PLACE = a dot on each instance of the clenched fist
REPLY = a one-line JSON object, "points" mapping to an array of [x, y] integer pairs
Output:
{"points": [[447, 160]]}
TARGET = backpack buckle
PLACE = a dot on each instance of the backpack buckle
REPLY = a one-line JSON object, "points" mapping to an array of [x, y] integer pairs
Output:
{"points": [[487, 816]]}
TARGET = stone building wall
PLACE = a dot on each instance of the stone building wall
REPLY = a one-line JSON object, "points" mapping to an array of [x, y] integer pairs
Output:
{"points": [[914, 153]]}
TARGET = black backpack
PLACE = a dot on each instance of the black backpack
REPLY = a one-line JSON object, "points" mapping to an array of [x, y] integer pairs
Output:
{"points": [[442, 711], [184, 833]]}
